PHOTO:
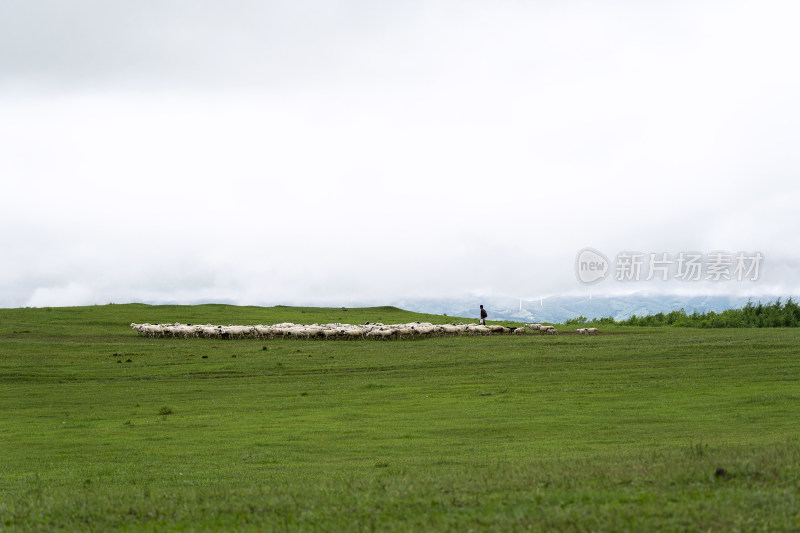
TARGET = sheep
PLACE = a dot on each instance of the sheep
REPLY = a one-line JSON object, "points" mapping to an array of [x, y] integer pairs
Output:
{"points": [[264, 332], [301, 332], [477, 329], [591, 331], [211, 332], [329, 333], [236, 332], [314, 331], [581, 331], [282, 331], [186, 331], [387, 333], [424, 330], [451, 330], [150, 330], [353, 333], [405, 331], [384, 333], [153, 330], [336, 330]]}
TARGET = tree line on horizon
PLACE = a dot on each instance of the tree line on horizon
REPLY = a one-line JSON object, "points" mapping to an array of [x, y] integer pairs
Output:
{"points": [[771, 315]]}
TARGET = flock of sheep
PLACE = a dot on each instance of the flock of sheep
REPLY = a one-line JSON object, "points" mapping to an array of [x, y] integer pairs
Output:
{"points": [[337, 330]]}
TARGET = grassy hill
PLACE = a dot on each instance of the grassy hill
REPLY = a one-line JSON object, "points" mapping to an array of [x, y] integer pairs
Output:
{"points": [[114, 318], [635, 429]]}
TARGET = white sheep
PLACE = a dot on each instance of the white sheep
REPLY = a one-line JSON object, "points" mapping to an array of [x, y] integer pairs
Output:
{"points": [[211, 332], [405, 332], [330, 333], [262, 331], [425, 330], [237, 332], [354, 333], [335, 330], [477, 329], [298, 332], [384, 333], [153, 330], [183, 330], [451, 330]]}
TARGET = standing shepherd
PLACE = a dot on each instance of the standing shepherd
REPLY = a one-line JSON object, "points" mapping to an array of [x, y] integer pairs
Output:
{"points": [[484, 314]]}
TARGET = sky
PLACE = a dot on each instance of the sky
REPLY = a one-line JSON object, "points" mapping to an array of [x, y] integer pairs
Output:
{"points": [[332, 153]]}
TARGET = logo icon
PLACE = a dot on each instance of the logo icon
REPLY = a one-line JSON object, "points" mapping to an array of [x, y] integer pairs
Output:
{"points": [[591, 265]]}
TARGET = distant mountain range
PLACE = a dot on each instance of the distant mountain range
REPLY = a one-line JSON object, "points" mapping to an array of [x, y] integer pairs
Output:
{"points": [[558, 309]]}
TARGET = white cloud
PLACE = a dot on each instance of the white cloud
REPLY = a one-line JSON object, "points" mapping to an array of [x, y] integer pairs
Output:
{"points": [[61, 296], [315, 152]]}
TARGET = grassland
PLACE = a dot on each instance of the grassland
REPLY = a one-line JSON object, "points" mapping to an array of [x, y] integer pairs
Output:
{"points": [[636, 429]]}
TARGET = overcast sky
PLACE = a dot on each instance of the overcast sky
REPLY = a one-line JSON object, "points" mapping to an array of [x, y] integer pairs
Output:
{"points": [[310, 152]]}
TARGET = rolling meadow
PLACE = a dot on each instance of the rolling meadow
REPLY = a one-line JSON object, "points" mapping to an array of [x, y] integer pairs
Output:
{"points": [[637, 428]]}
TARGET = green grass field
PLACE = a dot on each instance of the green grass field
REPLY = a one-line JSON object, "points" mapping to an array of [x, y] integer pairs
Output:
{"points": [[634, 429]]}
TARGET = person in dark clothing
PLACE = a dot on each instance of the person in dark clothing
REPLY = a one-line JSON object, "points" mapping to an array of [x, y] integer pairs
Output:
{"points": [[484, 314]]}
